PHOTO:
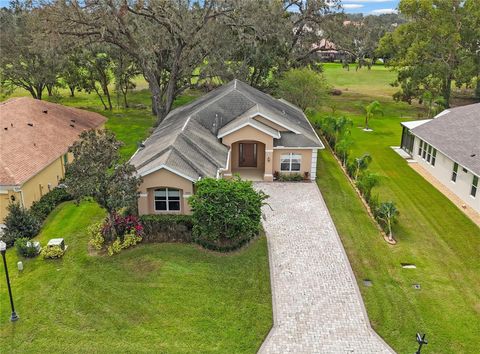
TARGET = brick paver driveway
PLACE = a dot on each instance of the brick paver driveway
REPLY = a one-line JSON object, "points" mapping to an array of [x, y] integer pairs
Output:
{"points": [[316, 301]]}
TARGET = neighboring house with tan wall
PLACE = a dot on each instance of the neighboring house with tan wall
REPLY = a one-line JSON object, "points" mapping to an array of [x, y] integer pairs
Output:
{"points": [[34, 140], [234, 129], [448, 148]]}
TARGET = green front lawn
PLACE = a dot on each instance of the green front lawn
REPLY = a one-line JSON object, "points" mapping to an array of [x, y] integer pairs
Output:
{"points": [[432, 234], [158, 298]]}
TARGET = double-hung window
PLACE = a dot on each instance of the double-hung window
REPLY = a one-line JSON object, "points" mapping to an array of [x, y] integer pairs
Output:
{"points": [[454, 172], [420, 147], [424, 152], [434, 156], [473, 191], [429, 153], [167, 199], [290, 162]]}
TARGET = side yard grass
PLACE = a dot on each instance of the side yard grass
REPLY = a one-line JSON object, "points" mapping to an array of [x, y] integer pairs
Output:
{"points": [[154, 298], [432, 234], [157, 298]]}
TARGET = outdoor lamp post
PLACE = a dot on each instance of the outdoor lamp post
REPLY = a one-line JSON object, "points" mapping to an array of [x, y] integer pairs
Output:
{"points": [[3, 251], [421, 341]]}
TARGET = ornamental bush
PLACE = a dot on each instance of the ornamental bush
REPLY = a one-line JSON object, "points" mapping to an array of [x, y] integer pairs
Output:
{"points": [[52, 252], [290, 177], [167, 228], [19, 222], [115, 234], [226, 213], [25, 247], [96, 237], [118, 225], [44, 206]]}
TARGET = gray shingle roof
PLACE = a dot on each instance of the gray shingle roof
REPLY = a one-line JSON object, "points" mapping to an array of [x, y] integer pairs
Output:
{"points": [[186, 141], [456, 133]]}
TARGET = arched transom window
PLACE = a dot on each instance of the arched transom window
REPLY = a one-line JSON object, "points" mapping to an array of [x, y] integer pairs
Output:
{"points": [[167, 199]]}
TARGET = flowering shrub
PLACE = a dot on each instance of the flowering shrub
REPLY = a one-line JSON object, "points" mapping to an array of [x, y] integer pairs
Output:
{"points": [[96, 236], [115, 234], [130, 239], [52, 252], [119, 226]]}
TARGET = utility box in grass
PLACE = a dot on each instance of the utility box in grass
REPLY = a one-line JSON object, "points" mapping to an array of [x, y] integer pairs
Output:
{"points": [[35, 245], [57, 242]]}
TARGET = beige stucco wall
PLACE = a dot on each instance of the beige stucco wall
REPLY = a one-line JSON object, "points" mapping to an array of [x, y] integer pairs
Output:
{"points": [[5, 199], [34, 188], [38, 185], [163, 178], [250, 134], [442, 171], [305, 165]]}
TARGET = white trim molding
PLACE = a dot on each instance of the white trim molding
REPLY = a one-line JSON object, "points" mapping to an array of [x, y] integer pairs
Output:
{"points": [[163, 166], [274, 121], [250, 123], [296, 148], [313, 167]]}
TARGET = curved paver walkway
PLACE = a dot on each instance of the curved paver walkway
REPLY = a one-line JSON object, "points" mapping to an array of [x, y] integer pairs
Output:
{"points": [[317, 307]]}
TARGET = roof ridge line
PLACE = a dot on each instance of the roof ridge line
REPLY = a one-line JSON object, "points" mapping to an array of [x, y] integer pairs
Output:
{"points": [[200, 149], [188, 162], [154, 157]]}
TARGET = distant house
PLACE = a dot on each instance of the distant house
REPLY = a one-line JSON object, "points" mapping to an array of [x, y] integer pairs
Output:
{"points": [[234, 129], [448, 147], [34, 140]]}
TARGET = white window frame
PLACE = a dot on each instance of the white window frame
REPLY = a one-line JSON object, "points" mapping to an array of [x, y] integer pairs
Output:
{"points": [[434, 157], [290, 157], [167, 200], [454, 173], [474, 187]]}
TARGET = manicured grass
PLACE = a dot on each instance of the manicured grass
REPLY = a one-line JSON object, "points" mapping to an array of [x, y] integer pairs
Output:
{"points": [[159, 298], [432, 233]]}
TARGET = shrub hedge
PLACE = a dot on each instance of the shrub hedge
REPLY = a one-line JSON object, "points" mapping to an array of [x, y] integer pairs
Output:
{"points": [[44, 206], [226, 213], [167, 228], [19, 223]]}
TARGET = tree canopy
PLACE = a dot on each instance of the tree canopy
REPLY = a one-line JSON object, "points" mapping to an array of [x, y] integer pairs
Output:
{"points": [[435, 47], [97, 172]]}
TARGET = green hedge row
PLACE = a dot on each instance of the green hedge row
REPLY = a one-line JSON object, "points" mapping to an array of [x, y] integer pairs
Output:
{"points": [[45, 205], [167, 228]]}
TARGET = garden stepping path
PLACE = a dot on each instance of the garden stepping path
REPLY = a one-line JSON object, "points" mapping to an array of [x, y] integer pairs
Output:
{"points": [[317, 306]]}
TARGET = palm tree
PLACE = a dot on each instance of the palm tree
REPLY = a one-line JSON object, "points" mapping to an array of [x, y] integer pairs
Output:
{"points": [[342, 148], [370, 110], [361, 164], [341, 126], [366, 183], [388, 212]]}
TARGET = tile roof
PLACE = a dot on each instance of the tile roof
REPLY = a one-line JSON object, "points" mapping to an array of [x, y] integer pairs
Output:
{"points": [[187, 141], [35, 133], [456, 133]]}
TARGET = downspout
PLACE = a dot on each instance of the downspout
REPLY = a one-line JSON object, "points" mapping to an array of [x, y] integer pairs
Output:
{"points": [[222, 169]]}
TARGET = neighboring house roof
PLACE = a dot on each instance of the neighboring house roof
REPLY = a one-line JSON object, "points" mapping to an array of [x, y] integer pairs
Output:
{"points": [[188, 139], [35, 133], [456, 133], [414, 123]]}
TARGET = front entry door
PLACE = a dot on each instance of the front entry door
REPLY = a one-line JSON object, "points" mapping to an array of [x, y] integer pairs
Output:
{"points": [[248, 155]]}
